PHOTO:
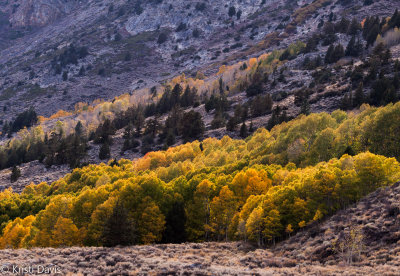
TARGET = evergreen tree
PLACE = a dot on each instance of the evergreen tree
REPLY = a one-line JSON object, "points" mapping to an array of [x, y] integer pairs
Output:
{"points": [[261, 105], [118, 229], [15, 174], [334, 53], [232, 123], [338, 53], [175, 222], [175, 95], [218, 120], [221, 86], [79, 128], [104, 151], [329, 54], [305, 107], [394, 20], [82, 71], [243, 130], [255, 87], [232, 11], [346, 102], [127, 137], [152, 127], [354, 27], [354, 47], [188, 97], [312, 44], [359, 95], [342, 26], [170, 139], [371, 30], [278, 116], [396, 81], [191, 126]]}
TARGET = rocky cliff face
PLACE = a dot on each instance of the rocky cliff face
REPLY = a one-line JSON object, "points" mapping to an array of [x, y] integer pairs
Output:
{"points": [[37, 13], [40, 12]]}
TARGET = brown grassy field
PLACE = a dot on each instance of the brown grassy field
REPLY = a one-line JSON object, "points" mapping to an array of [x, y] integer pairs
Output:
{"points": [[184, 259]]}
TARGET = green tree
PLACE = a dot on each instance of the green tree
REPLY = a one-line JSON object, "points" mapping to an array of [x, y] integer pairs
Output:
{"points": [[104, 152], [175, 222], [15, 174], [255, 225], [118, 229], [359, 95], [272, 225], [191, 126], [243, 131]]}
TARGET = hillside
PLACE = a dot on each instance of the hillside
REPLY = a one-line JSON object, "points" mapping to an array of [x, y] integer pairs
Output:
{"points": [[258, 189], [116, 46], [128, 45], [308, 252], [240, 137]]}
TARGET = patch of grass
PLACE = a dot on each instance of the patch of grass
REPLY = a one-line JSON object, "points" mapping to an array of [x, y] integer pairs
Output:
{"points": [[3, 19], [141, 38], [7, 93], [303, 13], [35, 91], [187, 51]]}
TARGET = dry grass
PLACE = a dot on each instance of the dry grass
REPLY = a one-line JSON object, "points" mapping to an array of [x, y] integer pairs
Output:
{"points": [[184, 259]]}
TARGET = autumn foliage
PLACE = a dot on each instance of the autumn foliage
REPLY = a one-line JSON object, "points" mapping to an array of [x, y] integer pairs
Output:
{"points": [[260, 189]]}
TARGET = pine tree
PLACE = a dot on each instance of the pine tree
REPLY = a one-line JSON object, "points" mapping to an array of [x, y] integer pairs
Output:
{"points": [[329, 54], [346, 102], [394, 20], [15, 174], [175, 224], [354, 27], [305, 107], [104, 151], [359, 95], [191, 126], [170, 139], [390, 95], [243, 131], [350, 49], [232, 124], [118, 228], [79, 128], [338, 53], [82, 71], [396, 81], [127, 137]]}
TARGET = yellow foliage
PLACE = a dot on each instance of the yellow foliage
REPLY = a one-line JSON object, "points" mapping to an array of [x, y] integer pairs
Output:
{"points": [[16, 234], [65, 233], [222, 70]]}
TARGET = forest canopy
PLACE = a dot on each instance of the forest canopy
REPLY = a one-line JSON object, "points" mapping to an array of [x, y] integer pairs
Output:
{"points": [[256, 189]]}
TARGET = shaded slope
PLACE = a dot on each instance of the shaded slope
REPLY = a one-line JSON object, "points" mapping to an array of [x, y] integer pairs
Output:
{"points": [[378, 217]]}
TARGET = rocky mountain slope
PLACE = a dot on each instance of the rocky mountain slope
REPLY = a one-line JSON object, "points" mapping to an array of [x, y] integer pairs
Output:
{"points": [[130, 45], [309, 252], [57, 54]]}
